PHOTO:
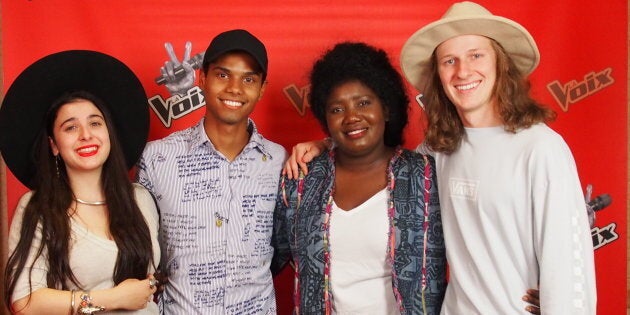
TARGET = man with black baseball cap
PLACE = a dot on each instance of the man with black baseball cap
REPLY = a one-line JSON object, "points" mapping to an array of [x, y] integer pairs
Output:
{"points": [[215, 184]]}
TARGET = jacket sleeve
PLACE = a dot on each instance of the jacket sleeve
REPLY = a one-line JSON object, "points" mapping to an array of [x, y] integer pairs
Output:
{"points": [[280, 236], [436, 252]]}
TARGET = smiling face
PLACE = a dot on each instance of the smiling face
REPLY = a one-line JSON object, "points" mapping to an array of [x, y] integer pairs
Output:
{"points": [[80, 137], [467, 70], [232, 86], [355, 119]]}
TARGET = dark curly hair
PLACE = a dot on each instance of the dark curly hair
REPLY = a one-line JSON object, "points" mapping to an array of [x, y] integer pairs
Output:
{"points": [[349, 61]]}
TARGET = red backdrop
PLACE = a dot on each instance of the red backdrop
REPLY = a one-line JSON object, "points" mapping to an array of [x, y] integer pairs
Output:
{"points": [[582, 75]]}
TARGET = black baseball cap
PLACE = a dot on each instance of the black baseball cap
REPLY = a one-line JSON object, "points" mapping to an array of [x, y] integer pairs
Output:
{"points": [[235, 40]]}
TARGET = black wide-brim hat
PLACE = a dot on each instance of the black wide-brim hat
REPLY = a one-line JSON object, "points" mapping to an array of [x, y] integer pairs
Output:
{"points": [[33, 92]]}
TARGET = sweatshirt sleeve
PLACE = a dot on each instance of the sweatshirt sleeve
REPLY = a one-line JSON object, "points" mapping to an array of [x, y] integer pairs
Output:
{"points": [[562, 238]]}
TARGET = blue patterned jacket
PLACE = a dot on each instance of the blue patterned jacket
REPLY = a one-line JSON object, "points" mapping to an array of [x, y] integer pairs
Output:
{"points": [[299, 234]]}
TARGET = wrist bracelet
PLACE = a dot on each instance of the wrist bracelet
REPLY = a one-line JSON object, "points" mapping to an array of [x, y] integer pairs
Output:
{"points": [[86, 307]]}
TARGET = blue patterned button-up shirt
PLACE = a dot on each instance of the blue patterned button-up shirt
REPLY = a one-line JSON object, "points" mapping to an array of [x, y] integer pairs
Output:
{"points": [[216, 220]]}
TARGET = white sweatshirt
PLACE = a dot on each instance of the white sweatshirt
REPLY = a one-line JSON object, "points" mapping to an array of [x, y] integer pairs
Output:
{"points": [[514, 218]]}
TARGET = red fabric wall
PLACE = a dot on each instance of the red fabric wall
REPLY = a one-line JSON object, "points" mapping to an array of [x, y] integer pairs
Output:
{"points": [[582, 75]]}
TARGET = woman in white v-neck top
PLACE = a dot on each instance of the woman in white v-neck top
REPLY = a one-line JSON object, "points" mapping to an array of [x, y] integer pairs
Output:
{"points": [[363, 226]]}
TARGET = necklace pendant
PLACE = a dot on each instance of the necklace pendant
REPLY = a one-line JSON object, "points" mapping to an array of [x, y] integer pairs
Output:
{"points": [[219, 222]]}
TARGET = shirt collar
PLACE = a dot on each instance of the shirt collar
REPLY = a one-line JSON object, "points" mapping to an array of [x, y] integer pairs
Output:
{"points": [[199, 138]]}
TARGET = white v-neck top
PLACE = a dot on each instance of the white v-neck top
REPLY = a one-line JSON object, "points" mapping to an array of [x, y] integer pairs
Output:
{"points": [[360, 277]]}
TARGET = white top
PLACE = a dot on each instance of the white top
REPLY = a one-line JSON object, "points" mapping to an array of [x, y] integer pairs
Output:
{"points": [[514, 216], [360, 277], [92, 258]]}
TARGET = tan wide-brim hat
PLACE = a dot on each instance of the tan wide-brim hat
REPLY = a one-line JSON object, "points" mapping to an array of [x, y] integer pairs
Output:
{"points": [[466, 18]]}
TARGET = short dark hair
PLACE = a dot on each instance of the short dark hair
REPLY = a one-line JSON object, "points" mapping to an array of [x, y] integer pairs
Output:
{"points": [[350, 61], [256, 66]]}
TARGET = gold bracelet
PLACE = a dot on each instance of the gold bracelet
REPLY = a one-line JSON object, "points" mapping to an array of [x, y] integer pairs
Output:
{"points": [[86, 307], [71, 302]]}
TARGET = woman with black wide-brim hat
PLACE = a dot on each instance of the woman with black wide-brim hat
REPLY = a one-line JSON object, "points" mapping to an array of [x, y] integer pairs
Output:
{"points": [[84, 239]]}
